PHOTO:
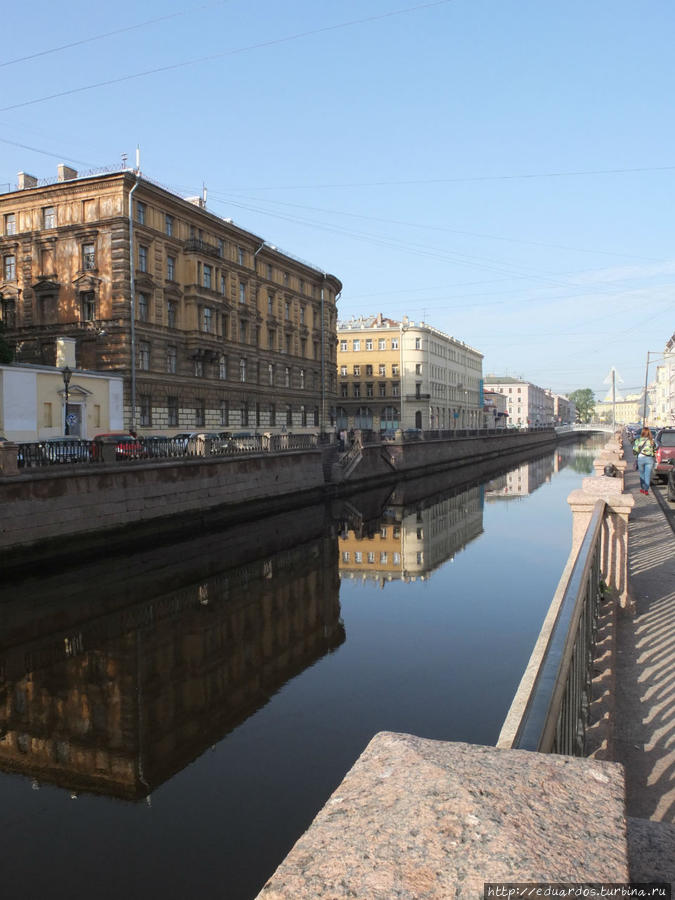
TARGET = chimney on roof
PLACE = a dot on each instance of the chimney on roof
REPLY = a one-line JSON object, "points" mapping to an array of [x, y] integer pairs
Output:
{"points": [[26, 181], [379, 318], [66, 173]]}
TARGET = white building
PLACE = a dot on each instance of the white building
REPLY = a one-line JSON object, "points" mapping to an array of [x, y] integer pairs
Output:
{"points": [[527, 403]]}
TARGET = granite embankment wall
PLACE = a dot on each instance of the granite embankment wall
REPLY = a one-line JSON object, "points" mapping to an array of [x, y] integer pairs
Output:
{"points": [[46, 509], [117, 504]]}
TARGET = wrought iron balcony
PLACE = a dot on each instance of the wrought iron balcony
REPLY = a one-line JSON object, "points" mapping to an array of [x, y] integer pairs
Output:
{"points": [[196, 245]]}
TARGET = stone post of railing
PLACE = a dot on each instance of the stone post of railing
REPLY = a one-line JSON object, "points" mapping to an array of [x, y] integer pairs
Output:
{"points": [[614, 557], [8, 458]]}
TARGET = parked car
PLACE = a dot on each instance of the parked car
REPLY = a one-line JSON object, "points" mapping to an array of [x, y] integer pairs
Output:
{"points": [[127, 446], [670, 494], [665, 451], [65, 449]]}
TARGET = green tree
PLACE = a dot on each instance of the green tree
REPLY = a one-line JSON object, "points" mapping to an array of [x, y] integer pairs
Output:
{"points": [[584, 401], [6, 351]]}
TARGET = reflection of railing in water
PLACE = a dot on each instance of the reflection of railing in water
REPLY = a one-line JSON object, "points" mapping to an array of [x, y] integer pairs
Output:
{"points": [[550, 714]]}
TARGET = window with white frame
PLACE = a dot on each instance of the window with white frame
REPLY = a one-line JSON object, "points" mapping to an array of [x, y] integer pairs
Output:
{"points": [[49, 217], [142, 258]]}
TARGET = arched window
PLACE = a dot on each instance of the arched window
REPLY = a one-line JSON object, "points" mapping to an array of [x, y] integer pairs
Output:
{"points": [[363, 418], [389, 419]]}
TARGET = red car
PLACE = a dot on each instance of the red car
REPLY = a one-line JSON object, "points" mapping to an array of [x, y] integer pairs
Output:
{"points": [[126, 445], [665, 451]]}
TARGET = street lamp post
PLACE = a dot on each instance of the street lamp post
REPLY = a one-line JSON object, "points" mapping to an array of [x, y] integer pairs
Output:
{"points": [[66, 372]]}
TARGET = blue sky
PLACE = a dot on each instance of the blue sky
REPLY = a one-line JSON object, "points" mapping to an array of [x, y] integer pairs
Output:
{"points": [[502, 169]]}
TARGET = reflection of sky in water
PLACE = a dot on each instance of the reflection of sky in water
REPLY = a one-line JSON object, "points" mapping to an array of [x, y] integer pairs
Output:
{"points": [[439, 657]]}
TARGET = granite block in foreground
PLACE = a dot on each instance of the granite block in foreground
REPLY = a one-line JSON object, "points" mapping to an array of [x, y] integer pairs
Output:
{"points": [[431, 820]]}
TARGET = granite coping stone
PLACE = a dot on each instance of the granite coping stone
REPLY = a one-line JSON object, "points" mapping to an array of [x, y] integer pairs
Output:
{"points": [[432, 820]]}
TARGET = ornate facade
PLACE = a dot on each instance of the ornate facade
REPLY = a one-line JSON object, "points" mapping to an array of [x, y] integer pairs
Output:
{"points": [[212, 327]]}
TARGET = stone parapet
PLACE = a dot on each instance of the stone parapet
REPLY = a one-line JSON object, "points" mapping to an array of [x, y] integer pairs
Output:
{"points": [[431, 820], [8, 458]]}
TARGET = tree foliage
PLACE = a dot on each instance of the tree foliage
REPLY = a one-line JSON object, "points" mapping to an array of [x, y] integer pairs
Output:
{"points": [[6, 350], [584, 401]]}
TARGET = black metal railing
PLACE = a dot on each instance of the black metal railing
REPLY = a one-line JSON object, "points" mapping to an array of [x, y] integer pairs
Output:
{"points": [[549, 713], [122, 449]]}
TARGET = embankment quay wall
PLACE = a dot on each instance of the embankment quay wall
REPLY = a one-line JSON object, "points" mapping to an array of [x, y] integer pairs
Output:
{"points": [[113, 505]]}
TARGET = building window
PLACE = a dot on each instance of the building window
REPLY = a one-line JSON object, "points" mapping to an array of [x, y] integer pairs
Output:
{"points": [[8, 308], [171, 359], [142, 258], [88, 257], [242, 292], [285, 278], [357, 370], [394, 343], [381, 344], [168, 225], [241, 256], [270, 374], [221, 247], [88, 306], [418, 368], [171, 268], [287, 310], [344, 390], [356, 390], [224, 412], [144, 355], [395, 369], [146, 410], [382, 369], [287, 377], [356, 345], [301, 287], [302, 313], [207, 319], [171, 314], [143, 307], [208, 271], [343, 346], [382, 389], [271, 338], [273, 414], [242, 370], [140, 212], [288, 344], [10, 268], [200, 413], [49, 217], [343, 370], [369, 344], [369, 370], [302, 379], [222, 285], [10, 223], [418, 343], [172, 411], [270, 305], [242, 331], [289, 414], [269, 272], [369, 390]]}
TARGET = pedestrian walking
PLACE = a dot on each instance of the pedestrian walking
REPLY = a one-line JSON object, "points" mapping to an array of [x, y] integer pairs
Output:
{"points": [[645, 451]]}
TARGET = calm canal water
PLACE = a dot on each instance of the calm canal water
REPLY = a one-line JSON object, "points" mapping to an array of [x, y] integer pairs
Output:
{"points": [[171, 721]]}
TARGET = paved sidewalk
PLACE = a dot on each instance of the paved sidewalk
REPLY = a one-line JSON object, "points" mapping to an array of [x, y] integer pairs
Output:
{"points": [[644, 736]]}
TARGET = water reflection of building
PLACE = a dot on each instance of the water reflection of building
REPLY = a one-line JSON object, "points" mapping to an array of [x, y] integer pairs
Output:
{"points": [[408, 543], [522, 480], [120, 704]]}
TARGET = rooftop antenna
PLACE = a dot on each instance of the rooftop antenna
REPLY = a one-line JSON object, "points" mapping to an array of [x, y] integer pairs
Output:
{"points": [[203, 193], [124, 160], [138, 159]]}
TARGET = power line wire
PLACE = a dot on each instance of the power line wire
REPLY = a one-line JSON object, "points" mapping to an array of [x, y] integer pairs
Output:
{"points": [[106, 34], [200, 59]]}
